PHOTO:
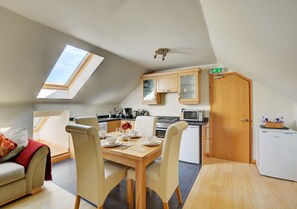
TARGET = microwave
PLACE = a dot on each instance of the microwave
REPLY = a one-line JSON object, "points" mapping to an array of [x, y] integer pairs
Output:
{"points": [[192, 115]]}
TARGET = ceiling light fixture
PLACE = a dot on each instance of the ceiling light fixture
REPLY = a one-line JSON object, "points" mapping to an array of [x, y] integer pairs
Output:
{"points": [[161, 51]]}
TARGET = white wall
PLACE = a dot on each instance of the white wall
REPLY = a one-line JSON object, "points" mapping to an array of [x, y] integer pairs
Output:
{"points": [[16, 116], [77, 109], [296, 115], [170, 104], [54, 130], [268, 103]]}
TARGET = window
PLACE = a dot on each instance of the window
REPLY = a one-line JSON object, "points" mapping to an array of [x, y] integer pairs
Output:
{"points": [[66, 65], [73, 68]]}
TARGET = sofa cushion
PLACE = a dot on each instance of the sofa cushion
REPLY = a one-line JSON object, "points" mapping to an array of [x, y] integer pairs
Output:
{"points": [[18, 135], [6, 145], [10, 172]]}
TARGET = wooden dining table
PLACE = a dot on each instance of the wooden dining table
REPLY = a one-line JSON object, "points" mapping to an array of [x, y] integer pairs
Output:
{"points": [[137, 156]]}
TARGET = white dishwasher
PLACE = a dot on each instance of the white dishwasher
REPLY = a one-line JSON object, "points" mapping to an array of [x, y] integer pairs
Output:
{"points": [[189, 145]]}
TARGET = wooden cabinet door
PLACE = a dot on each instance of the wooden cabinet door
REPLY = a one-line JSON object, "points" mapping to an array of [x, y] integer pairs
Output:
{"points": [[149, 91], [167, 83], [230, 117], [189, 87], [112, 125]]}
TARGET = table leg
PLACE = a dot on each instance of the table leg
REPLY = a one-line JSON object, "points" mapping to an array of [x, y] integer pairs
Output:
{"points": [[140, 194]]}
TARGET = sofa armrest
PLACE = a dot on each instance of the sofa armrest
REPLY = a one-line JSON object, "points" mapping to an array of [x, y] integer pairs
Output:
{"points": [[36, 169]]}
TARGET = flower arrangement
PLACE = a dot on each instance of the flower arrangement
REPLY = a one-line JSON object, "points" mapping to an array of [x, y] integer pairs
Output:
{"points": [[126, 126]]}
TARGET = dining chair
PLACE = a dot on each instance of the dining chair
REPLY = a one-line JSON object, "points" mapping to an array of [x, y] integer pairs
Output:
{"points": [[87, 120], [146, 125], [162, 175], [95, 177]]}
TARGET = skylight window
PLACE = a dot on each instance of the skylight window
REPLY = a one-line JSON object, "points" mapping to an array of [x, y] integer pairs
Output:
{"points": [[66, 65], [71, 71]]}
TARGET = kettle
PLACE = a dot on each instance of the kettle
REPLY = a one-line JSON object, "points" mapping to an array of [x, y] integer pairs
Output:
{"points": [[135, 113], [144, 112]]}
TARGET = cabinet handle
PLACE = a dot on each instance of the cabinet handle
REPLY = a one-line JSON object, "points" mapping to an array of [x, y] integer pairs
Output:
{"points": [[178, 96], [244, 120]]}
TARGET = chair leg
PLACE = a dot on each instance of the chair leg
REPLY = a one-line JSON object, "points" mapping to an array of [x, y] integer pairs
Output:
{"points": [[179, 197], [100, 207], [165, 205], [77, 202], [130, 194]]}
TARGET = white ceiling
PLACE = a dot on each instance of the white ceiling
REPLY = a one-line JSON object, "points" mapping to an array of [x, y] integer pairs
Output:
{"points": [[255, 38], [132, 29]]}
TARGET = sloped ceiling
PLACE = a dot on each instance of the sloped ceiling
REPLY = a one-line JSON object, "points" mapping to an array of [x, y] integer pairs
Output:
{"points": [[126, 33], [29, 51], [132, 29], [257, 39]]}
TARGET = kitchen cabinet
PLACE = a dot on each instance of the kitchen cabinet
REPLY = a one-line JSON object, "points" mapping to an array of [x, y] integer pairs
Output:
{"points": [[189, 87], [112, 125], [184, 81], [205, 141], [167, 83], [149, 91]]}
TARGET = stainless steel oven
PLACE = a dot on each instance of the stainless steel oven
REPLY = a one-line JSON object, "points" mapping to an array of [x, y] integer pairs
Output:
{"points": [[163, 123], [160, 132]]}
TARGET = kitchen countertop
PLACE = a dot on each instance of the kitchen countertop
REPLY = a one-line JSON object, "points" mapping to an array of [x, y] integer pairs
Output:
{"points": [[198, 123], [102, 119], [105, 118]]}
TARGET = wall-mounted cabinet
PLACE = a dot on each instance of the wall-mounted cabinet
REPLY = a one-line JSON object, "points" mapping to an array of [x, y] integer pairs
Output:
{"points": [[149, 91], [167, 83], [189, 87], [184, 81]]}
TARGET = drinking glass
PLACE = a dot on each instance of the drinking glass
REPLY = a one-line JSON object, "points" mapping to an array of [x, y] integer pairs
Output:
{"points": [[118, 130]]}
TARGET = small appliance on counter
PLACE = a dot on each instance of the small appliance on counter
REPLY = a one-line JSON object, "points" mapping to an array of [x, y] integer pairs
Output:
{"points": [[135, 113], [128, 112], [144, 112], [118, 112], [192, 115]]}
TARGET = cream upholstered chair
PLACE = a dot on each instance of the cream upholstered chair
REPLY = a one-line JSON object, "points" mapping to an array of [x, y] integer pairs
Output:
{"points": [[95, 178], [88, 121], [146, 125], [163, 176]]}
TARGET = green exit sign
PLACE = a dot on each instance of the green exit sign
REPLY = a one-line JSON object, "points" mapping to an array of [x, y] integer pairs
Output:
{"points": [[216, 70]]}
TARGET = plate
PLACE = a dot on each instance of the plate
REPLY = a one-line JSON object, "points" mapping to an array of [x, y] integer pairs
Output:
{"points": [[106, 144], [152, 143], [136, 136]]}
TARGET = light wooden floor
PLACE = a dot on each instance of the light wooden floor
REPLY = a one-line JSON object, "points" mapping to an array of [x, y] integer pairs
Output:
{"points": [[231, 185], [220, 185], [51, 197], [55, 148]]}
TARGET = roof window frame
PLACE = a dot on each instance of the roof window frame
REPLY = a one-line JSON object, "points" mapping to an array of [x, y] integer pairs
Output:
{"points": [[73, 77]]}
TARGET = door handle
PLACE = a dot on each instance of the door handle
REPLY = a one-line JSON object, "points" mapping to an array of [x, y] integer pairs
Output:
{"points": [[244, 120]]}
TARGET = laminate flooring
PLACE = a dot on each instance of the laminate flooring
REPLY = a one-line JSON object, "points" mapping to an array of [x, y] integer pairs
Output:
{"points": [[223, 184], [64, 175]]}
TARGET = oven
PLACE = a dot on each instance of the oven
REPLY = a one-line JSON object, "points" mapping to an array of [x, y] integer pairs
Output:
{"points": [[163, 123], [160, 132]]}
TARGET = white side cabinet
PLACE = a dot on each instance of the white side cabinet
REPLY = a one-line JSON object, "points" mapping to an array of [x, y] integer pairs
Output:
{"points": [[189, 147], [278, 153]]}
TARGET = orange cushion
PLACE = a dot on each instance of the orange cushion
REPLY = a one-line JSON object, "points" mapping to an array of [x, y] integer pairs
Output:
{"points": [[6, 145]]}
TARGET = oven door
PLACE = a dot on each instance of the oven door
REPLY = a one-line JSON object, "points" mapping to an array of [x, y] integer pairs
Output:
{"points": [[160, 132]]}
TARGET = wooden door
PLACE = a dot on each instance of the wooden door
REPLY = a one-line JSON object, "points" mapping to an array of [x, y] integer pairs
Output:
{"points": [[230, 117]]}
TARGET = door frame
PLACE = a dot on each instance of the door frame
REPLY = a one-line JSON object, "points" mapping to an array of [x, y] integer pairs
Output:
{"points": [[250, 112]]}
